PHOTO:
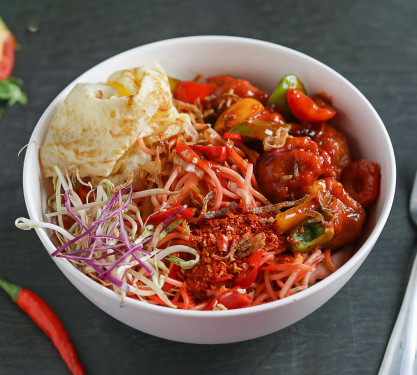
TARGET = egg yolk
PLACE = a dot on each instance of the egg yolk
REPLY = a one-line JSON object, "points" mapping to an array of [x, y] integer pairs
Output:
{"points": [[123, 91]]}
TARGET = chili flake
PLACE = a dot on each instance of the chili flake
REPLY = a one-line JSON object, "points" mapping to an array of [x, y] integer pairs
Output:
{"points": [[217, 241]]}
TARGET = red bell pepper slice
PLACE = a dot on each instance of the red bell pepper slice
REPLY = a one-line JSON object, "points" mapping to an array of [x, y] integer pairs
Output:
{"points": [[306, 109], [190, 91], [213, 153], [162, 216], [9, 46], [254, 260], [361, 179]]}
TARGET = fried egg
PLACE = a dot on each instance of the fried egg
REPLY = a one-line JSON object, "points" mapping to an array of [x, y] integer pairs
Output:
{"points": [[95, 129]]}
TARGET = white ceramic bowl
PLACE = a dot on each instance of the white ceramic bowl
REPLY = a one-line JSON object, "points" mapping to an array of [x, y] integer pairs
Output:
{"points": [[264, 64]]}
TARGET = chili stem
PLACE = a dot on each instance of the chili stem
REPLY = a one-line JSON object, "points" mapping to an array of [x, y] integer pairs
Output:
{"points": [[11, 289]]}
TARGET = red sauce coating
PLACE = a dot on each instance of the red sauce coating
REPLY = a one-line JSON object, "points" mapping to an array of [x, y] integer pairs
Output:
{"points": [[335, 145], [361, 180], [240, 87], [289, 175], [349, 214], [270, 114]]}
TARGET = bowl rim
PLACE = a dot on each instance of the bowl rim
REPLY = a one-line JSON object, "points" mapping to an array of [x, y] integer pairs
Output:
{"points": [[357, 258]]}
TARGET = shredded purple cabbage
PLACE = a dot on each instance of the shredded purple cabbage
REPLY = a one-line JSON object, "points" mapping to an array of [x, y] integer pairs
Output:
{"points": [[95, 236], [68, 207], [173, 216], [265, 154], [74, 240], [114, 280], [105, 218], [123, 257], [100, 236]]}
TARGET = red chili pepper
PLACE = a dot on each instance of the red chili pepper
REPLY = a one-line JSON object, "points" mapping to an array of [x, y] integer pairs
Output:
{"points": [[187, 154], [162, 216], [253, 260], [8, 48], [213, 153], [361, 180], [230, 135], [43, 315], [190, 91], [306, 109]]}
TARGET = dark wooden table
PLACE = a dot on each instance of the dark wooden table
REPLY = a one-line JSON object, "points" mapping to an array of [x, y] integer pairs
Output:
{"points": [[373, 46]]}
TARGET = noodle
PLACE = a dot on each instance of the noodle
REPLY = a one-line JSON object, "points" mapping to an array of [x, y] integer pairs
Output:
{"points": [[211, 229], [219, 189]]}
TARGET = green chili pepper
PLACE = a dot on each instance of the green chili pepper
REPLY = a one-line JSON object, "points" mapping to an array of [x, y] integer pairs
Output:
{"points": [[279, 96], [257, 129], [308, 235]]}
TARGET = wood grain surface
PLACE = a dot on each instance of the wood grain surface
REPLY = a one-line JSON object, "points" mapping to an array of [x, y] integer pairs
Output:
{"points": [[372, 44]]}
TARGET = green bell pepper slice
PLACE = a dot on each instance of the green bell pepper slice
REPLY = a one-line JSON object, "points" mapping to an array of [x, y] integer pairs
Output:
{"points": [[279, 96], [305, 237], [257, 129]]}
